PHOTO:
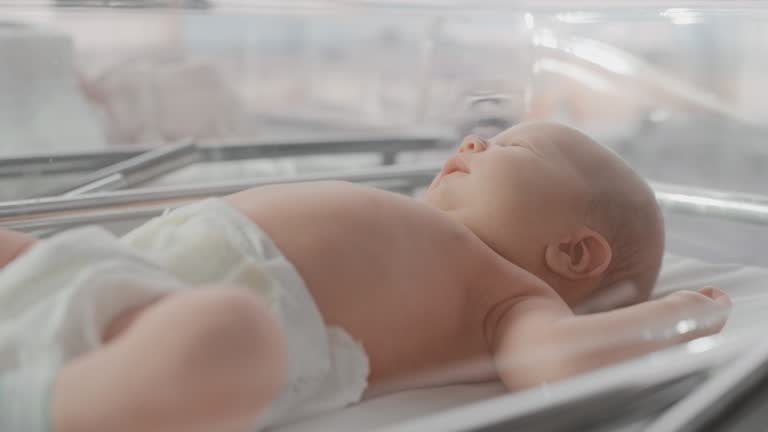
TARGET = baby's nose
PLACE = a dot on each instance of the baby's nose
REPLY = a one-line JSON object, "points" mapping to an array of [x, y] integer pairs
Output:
{"points": [[473, 144]]}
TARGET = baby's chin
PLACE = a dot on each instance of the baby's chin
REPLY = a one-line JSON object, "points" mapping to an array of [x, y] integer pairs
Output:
{"points": [[429, 194], [432, 199], [442, 195], [429, 198]]}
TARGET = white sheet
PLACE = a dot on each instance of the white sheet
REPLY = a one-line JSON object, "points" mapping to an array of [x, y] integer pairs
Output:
{"points": [[746, 285]]}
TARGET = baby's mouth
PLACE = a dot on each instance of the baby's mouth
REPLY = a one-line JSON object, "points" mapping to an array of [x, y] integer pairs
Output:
{"points": [[454, 164]]}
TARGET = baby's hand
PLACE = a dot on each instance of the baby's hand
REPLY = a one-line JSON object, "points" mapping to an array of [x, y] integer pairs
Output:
{"points": [[697, 313]]}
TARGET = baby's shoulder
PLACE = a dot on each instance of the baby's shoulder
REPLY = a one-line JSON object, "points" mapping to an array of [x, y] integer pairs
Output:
{"points": [[375, 203], [512, 283], [353, 209]]}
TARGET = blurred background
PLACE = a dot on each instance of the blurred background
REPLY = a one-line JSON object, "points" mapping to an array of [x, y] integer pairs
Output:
{"points": [[677, 88]]}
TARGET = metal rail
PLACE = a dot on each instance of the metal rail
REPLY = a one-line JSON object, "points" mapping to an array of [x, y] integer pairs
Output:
{"points": [[68, 211], [132, 171], [229, 150], [747, 208]]}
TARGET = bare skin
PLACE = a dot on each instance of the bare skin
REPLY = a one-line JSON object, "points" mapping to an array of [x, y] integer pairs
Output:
{"points": [[387, 278], [482, 288], [402, 268]]}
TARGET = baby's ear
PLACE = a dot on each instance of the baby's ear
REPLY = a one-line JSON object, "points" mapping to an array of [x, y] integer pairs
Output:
{"points": [[584, 254]]}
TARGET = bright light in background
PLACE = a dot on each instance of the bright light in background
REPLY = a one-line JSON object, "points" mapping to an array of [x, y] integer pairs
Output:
{"points": [[575, 72], [578, 17], [529, 22], [681, 16], [545, 38], [591, 51], [599, 55], [701, 344]]}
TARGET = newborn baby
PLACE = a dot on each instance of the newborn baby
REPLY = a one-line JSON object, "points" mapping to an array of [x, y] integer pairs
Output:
{"points": [[477, 281]]}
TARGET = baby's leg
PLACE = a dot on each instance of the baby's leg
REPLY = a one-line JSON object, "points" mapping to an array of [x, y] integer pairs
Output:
{"points": [[204, 360], [13, 244]]}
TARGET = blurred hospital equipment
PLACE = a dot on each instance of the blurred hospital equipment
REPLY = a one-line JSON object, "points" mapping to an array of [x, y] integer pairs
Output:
{"points": [[41, 104]]}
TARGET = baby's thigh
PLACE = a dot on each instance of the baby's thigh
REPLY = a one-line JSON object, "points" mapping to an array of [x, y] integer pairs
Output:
{"points": [[13, 244], [207, 356]]}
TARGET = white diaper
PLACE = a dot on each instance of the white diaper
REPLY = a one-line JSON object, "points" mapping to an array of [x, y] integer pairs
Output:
{"points": [[212, 242], [56, 299]]}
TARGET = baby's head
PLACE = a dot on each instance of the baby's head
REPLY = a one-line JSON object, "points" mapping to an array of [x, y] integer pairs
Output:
{"points": [[551, 200]]}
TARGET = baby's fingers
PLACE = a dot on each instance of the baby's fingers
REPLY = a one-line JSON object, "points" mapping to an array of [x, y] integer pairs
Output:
{"points": [[705, 300], [716, 294], [699, 313]]}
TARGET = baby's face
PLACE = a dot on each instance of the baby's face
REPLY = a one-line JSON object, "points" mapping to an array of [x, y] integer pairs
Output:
{"points": [[515, 187]]}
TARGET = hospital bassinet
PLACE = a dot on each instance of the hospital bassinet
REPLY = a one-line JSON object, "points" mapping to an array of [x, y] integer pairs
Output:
{"points": [[113, 111]]}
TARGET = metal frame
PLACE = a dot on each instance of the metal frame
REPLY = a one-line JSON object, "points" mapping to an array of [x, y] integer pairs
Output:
{"points": [[86, 163], [68, 211], [96, 197]]}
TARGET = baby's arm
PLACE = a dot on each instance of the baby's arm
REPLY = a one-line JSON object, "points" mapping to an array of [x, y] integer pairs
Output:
{"points": [[541, 340]]}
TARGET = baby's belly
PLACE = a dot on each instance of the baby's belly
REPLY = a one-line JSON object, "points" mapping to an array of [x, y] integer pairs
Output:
{"points": [[385, 268], [403, 324]]}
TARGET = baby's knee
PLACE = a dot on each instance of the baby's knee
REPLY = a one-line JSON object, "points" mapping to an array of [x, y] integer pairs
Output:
{"points": [[237, 328], [199, 359], [239, 315], [13, 244]]}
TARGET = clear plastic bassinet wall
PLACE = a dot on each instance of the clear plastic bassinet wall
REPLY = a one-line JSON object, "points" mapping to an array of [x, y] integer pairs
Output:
{"points": [[679, 90]]}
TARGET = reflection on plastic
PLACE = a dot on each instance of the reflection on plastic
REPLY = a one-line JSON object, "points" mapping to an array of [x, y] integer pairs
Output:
{"points": [[701, 345], [685, 326], [681, 16], [598, 53]]}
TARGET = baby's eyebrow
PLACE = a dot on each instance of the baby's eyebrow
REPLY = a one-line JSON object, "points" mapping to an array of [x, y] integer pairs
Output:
{"points": [[514, 143], [527, 145]]}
